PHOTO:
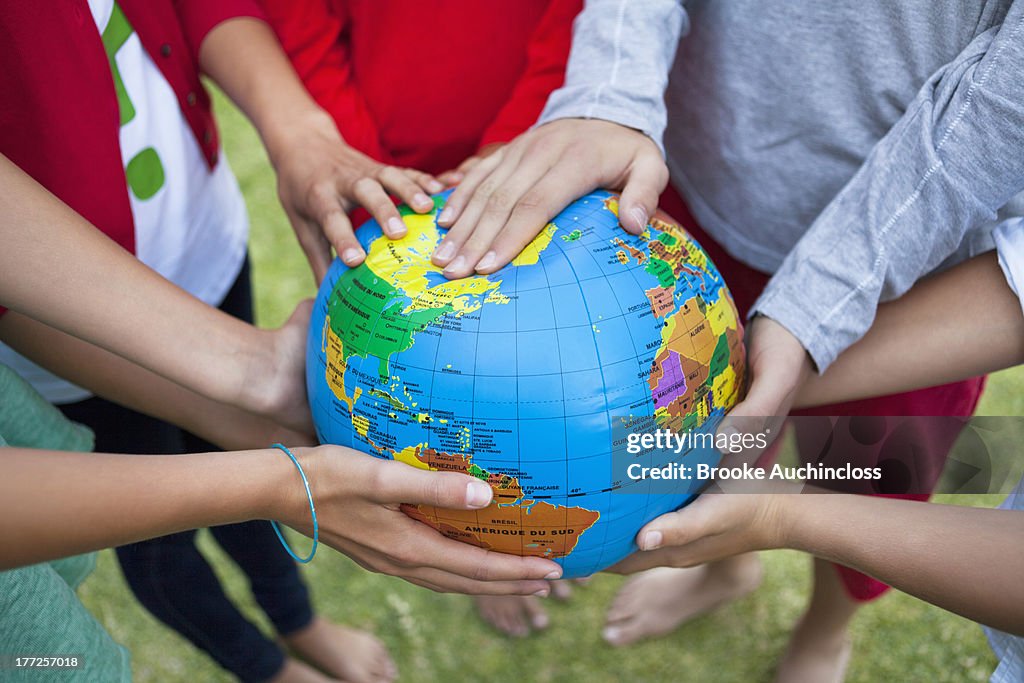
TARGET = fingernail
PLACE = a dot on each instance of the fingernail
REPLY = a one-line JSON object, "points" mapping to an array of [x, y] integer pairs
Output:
{"points": [[651, 540], [639, 214], [611, 634], [540, 621], [457, 177], [435, 186], [445, 251], [552, 576], [457, 265], [447, 216], [423, 200], [397, 226], [478, 494], [351, 255], [487, 261], [542, 593]]}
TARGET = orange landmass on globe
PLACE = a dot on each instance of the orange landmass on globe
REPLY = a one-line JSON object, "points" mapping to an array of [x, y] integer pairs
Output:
{"points": [[661, 299], [511, 523]]}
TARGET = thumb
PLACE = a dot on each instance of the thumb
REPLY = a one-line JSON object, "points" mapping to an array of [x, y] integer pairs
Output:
{"points": [[639, 200], [400, 483], [300, 316], [674, 528]]}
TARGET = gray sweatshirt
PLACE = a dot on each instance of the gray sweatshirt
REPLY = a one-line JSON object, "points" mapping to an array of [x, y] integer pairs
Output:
{"points": [[848, 146]]}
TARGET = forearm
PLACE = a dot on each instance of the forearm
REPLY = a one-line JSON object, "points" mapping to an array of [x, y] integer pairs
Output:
{"points": [[619, 64], [945, 168], [965, 560], [130, 385], [56, 503], [960, 323], [245, 59], [44, 238]]}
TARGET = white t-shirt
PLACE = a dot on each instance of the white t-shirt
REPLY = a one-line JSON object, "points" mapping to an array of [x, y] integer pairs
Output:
{"points": [[191, 224]]}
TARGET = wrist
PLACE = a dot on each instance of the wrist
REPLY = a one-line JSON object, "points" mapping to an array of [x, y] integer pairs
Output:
{"points": [[285, 496], [783, 521], [282, 129]]}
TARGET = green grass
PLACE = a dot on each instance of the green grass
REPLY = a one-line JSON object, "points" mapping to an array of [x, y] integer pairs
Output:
{"points": [[438, 637]]}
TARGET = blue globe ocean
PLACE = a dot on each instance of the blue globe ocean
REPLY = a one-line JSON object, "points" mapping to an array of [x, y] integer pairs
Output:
{"points": [[530, 378]]}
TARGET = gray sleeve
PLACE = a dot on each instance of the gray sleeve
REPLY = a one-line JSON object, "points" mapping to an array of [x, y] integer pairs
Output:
{"points": [[953, 159], [622, 51]]}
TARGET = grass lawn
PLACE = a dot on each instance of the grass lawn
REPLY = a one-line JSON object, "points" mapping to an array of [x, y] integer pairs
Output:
{"points": [[438, 637]]}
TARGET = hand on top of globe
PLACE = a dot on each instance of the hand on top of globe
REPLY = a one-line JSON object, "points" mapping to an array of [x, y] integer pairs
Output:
{"points": [[506, 199], [321, 178]]}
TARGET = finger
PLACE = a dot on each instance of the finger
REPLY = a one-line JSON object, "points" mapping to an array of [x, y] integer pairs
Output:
{"points": [[450, 178], [485, 572], [299, 319], [645, 183], [396, 482], [422, 546], [327, 212], [542, 202], [374, 198], [639, 562], [447, 252], [314, 245], [425, 180], [495, 208], [401, 183], [446, 582], [675, 528], [464, 192]]}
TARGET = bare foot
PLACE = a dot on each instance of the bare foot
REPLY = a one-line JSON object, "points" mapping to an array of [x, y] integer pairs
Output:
{"points": [[814, 655], [295, 671], [513, 615], [562, 588], [658, 601], [819, 649], [345, 653]]}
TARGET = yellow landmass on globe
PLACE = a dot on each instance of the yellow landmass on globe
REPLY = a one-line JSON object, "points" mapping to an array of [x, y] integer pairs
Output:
{"points": [[531, 254], [334, 349], [405, 263]]}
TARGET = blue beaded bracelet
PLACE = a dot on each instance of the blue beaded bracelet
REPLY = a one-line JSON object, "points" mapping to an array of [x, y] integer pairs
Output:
{"points": [[312, 509]]}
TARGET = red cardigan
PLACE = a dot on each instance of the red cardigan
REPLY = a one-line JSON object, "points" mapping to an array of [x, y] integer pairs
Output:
{"points": [[426, 83], [59, 118]]}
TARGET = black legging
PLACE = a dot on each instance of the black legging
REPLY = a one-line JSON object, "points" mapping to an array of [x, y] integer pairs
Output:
{"points": [[172, 578]]}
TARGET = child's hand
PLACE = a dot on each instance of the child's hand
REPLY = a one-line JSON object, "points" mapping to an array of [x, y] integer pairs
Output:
{"points": [[713, 527], [357, 500], [777, 367], [455, 176], [507, 198], [320, 179]]}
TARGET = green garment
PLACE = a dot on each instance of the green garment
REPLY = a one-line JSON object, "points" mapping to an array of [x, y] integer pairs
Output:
{"points": [[40, 614]]}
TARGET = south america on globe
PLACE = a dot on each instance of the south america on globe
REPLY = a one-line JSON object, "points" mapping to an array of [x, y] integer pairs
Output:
{"points": [[523, 378]]}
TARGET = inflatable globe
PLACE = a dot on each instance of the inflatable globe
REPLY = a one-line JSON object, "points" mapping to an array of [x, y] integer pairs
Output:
{"points": [[528, 377]]}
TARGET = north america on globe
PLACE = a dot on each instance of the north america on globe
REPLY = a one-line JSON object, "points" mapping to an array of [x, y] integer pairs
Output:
{"points": [[520, 377]]}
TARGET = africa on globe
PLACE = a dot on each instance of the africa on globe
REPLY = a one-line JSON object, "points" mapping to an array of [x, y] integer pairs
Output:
{"points": [[525, 377]]}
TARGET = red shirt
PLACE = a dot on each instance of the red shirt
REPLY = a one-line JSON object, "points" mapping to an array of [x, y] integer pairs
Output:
{"points": [[59, 117], [426, 83]]}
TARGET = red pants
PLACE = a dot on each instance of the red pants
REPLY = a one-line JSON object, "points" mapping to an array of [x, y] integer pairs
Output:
{"points": [[956, 399]]}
